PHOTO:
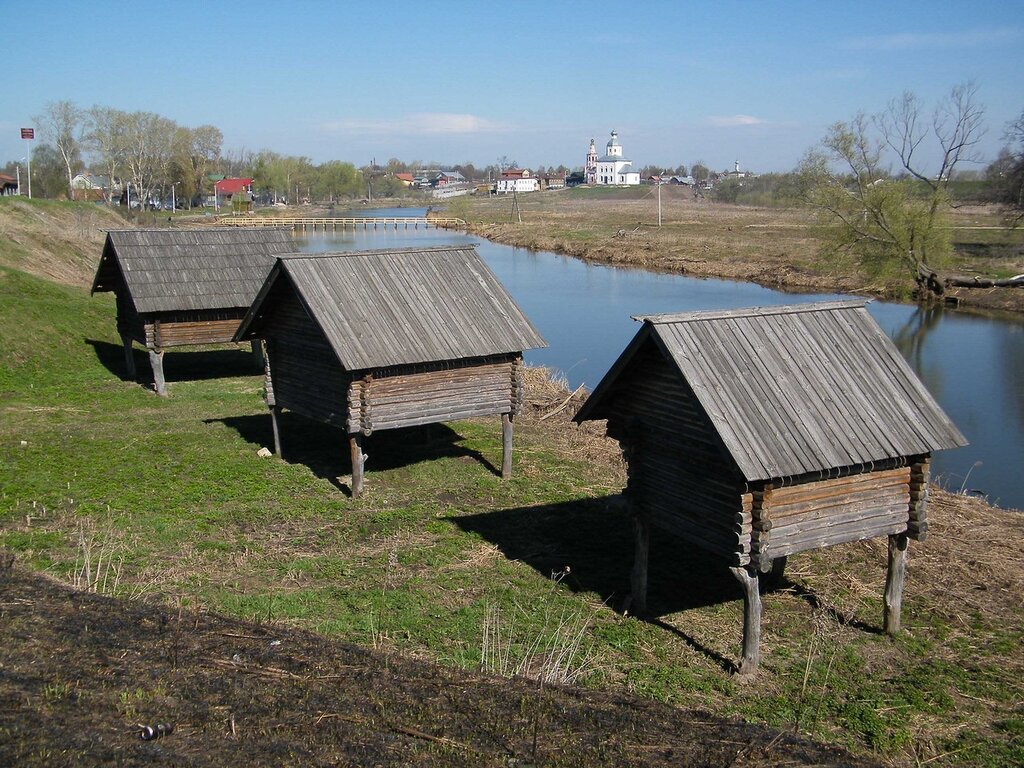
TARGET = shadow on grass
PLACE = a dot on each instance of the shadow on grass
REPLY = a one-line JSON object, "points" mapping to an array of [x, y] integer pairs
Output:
{"points": [[594, 538], [188, 364], [325, 448]]}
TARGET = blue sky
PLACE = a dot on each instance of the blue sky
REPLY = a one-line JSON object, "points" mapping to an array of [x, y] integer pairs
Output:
{"points": [[757, 82]]}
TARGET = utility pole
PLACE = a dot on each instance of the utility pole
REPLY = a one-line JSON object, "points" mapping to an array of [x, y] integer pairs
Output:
{"points": [[659, 201]]}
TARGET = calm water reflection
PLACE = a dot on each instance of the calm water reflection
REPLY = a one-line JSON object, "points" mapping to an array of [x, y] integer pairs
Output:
{"points": [[974, 366]]}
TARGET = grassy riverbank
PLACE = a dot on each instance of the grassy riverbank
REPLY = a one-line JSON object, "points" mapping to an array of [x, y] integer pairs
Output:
{"points": [[776, 247], [170, 505]]}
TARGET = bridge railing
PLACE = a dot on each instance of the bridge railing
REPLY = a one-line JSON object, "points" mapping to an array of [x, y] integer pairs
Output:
{"points": [[343, 222]]}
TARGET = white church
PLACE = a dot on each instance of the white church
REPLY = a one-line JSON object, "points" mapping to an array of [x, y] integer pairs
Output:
{"points": [[612, 167]]}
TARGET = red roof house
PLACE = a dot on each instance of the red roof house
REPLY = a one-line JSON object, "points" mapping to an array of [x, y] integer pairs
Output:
{"points": [[229, 187]]}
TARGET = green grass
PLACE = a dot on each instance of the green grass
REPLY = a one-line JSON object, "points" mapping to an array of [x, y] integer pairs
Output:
{"points": [[171, 489]]}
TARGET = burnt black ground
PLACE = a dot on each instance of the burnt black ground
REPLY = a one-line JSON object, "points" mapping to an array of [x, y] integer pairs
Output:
{"points": [[80, 673]]}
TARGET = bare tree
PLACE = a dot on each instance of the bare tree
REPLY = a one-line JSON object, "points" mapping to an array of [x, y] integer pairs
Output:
{"points": [[149, 140], [106, 141], [1005, 175], [62, 124], [894, 225]]}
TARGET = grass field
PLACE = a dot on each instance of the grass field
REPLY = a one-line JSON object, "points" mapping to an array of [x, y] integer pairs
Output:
{"points": [[106, 486], [167, 497]]}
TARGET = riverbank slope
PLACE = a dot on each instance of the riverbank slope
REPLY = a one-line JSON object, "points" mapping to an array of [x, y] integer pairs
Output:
{"points": [[774, 247]]}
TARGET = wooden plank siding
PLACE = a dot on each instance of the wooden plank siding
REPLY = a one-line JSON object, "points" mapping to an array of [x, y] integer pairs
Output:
{"points": [[851, 508], [176, 329], [305, 376], [439, 393]]}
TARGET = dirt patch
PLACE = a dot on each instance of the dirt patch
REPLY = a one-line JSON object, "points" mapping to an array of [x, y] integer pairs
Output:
{"points": [[82, 675]]}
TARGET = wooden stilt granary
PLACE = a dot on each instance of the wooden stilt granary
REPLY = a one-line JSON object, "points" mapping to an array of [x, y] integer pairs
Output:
{"points": [[177, 287], [376, 340], [759, 433]]}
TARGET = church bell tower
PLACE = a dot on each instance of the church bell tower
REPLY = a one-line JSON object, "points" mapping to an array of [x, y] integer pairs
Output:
{"points": [[590, 170]]}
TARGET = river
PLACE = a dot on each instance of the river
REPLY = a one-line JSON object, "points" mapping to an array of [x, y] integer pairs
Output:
{"points": [[973, 365]]}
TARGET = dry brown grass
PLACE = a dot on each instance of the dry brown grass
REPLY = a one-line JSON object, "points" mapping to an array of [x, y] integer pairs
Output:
{"points": [[775, 247]]}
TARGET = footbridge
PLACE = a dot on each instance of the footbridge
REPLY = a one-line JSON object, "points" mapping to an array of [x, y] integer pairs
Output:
{"points": [[332, 223]]}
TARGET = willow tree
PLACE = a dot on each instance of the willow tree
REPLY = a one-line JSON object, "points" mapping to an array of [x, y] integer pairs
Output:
{"points": [[894, 224]]}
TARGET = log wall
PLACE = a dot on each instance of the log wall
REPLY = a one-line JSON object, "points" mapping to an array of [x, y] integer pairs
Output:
{"points": [[678, 476], [425, 394], [176, 329], [809, 515], [304, 373]]}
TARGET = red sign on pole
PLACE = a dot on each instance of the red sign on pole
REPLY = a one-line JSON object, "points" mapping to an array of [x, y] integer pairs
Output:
{"points": [[28, 133]]}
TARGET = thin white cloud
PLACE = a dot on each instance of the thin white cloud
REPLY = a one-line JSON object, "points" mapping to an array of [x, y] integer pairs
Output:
{"points": [[967, 38], [417, 124], [731, 121]]}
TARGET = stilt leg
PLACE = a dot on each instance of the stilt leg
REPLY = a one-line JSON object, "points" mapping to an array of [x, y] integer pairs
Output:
{"points": [[773, 577], [638, 578], [751, 621], [274, 412], [355, 443], [156, 360], [257, 353], [894, 582], [129, 355], [506, 446]]}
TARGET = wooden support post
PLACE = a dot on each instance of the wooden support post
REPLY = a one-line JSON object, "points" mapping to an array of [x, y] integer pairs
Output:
{"points": [[129, 355], [894, 578], [257, 353], [506, 446], [275, 411], [156, 361], [355, 442], [638, 577], [751, 620]]}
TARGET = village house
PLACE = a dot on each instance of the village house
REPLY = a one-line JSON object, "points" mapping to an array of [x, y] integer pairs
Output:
{"points": [[552, 181], [516, 180], [444, 178], [86, 187], [237, 192]]}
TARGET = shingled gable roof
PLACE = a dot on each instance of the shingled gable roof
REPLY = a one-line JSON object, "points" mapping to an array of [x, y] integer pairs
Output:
{"points": [[398, 307], [796, 389], [168, 270]]}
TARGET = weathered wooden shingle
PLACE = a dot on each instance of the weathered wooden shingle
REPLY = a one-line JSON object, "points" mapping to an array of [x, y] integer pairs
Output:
{"points": [[168, 270], [796, 389], [406, 306]]}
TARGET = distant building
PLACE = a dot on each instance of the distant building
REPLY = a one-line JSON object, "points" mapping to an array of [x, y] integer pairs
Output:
{"points": [[736, 173], [237, 191], [85, 186], [406, 179], [590, 169], [552, 181], [516, 180], [8, 186], [449, 177], [611, 168]]}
